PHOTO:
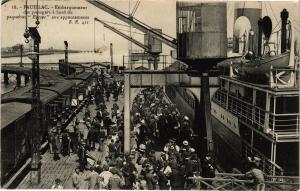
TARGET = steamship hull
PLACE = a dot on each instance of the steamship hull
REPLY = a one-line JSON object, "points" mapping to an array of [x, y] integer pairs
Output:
{"points": [[227, 141]]}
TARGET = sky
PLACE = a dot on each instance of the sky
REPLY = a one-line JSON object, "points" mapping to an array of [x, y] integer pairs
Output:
{"points": [[156, 13]]}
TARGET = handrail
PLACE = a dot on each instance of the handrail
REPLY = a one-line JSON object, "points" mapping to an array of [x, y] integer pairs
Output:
{"points": [[231, 182], [267, 176], [255, 114]]}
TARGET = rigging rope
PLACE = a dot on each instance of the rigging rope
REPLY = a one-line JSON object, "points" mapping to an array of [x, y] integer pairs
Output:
{"points": [[94, 37], [266, 8], [128, 31], [273, 12], [243, 9], [115, 23], [135, 8], [276, 26], [103, 33], [137, 21]]}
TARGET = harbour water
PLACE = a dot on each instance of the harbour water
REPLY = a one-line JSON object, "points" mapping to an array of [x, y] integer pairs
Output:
{"points": [[53, 58]]}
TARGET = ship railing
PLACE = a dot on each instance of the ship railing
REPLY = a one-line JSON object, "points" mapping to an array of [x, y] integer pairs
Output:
{"points": [[249, 113], [256, 116], [277, 82], [145, 61], [284, 126], [232, 181], [267, 166]]}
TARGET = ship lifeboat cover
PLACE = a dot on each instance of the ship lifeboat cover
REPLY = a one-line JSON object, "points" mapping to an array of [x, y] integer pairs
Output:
{"points": [[267, 26], [242, 25]]}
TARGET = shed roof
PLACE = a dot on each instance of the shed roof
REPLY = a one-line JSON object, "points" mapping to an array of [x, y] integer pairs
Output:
{"points": [[12, 111]]}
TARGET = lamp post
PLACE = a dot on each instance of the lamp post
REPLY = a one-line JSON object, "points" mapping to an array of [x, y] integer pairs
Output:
{"points": [[21, 55], [35, 177], [111, 57], [66, 56]]}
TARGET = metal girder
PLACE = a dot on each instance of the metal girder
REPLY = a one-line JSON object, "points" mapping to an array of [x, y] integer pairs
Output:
{"points": [[136, 24], [123, 35]]}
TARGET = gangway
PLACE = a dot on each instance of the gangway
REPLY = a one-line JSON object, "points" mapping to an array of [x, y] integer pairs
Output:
{"points": [[166, 39]]}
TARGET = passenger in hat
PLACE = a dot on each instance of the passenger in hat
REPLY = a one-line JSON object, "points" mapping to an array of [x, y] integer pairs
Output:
{"points": [[185, 147], [57, 184], [150, 178], [185, 143], [129, 171], [56, 145], [82, 156], [162, 160], [142, 148], [105, 174], [51, 139], [186, 118], [258, 177], [186, 130], [115, 182], [92, 179], [169, 144]]}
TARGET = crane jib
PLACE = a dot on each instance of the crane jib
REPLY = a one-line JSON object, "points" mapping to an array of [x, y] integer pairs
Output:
{"points": [[136, 24]]}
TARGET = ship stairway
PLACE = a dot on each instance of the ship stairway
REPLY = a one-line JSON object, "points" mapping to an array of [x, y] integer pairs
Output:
{"points": [[236, 181]]}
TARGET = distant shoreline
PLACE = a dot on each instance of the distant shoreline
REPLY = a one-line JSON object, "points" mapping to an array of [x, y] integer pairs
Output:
{"points": [[42, 53]]}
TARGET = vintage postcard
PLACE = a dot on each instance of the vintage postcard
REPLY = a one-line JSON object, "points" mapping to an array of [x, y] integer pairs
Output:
{"points": [[150, 94]]}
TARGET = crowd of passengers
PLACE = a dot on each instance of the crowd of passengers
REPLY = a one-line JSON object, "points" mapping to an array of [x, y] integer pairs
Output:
{"points": [[161, 156]]}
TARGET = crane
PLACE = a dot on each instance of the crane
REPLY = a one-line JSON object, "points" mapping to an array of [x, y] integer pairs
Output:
{"points": [[151, 56], [166, 39]]}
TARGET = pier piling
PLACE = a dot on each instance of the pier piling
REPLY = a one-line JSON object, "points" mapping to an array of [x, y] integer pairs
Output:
{"points": [[18, 80], [6, 78]]}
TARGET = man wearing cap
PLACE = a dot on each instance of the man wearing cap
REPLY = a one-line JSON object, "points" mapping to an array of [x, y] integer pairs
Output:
{"points": [[258, 177], [171, 146], [82, 156]]}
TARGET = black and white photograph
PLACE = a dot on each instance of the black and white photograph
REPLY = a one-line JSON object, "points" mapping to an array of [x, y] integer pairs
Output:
{"points": [[150, 94]]}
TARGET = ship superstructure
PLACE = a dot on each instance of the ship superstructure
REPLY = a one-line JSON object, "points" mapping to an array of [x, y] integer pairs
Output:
{"points": [[263, 120]]}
